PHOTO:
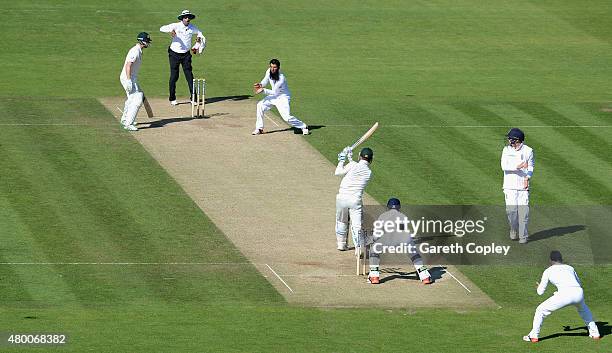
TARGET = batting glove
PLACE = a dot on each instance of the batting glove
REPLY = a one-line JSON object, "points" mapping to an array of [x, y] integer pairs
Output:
{"points": [[348, 152], [341, 156]]}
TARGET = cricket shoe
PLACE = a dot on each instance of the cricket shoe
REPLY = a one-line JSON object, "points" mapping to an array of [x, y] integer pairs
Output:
{"points": [[257, 132], [174, 102], [427, 280], [523, 241], [530, 339], [595, 337], [374, 277], [342, 247], [305, 131], [130, 128]]}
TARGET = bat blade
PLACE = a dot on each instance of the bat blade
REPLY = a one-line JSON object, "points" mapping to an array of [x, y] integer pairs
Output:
{"points": [[365, 136], [148, 108]]}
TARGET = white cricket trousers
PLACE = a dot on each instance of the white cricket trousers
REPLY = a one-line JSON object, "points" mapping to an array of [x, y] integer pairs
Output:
{"points": [[348, 207], [517, 210], [132, 103], [562, 298], [282, 105]]}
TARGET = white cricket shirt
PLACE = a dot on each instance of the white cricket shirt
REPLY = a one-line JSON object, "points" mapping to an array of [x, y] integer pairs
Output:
{"points": [[278, 87], [356, 177], [181, 43], [561, 275], [513, 178], [135, 57]]}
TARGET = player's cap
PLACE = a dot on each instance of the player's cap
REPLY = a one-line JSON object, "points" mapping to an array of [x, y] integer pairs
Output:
{"points": [[186, 13], [143, 37], [516, 134], [555, 256], [367, 154], [394, 203]]}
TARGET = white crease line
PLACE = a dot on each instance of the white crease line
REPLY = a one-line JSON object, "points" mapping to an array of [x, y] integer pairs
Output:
{"points": [[279, 277], [119, 109], [274, 122], [122, 263], [458, 281], [475, 126], [44, 124]]}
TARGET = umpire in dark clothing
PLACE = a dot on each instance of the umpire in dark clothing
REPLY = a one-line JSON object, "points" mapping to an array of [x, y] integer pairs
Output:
{"points": [[179, 51]]}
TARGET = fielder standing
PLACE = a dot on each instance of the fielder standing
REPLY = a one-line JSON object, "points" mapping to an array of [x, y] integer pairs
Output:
{"points": [[129, 81], [349, 201], [394, 238], [279, 96], [517, 163], [569, 292], [179, 50]]}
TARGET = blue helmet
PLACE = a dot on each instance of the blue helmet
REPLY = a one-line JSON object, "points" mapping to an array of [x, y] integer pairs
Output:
{"points": [[394, 203], [367, 154], [144, 38], [516, 134]]}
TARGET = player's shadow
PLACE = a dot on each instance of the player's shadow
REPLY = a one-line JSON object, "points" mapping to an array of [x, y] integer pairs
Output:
{"points": [[163, 122], [396, 273], [604, 330], [556, 232], [310, 127], [227, 98]]}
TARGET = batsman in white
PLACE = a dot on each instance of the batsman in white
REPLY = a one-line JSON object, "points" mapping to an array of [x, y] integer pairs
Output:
{"points": [[517, 163], [129, 81], [569, 292], [349, 201], [279, 96], [394, 238]]}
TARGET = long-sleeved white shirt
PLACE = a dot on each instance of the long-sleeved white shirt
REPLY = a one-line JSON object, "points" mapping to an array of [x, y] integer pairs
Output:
{"points": [[181, 43], [133, 56], [278, 87], [514, 179], [356, 177], [561, 275]]}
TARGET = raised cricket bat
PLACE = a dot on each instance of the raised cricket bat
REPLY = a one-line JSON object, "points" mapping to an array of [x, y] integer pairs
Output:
{"points": [[365, 136], [147, 106]]}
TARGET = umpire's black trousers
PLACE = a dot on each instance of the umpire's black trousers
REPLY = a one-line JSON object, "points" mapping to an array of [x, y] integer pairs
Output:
{"points": [[177, 59]]}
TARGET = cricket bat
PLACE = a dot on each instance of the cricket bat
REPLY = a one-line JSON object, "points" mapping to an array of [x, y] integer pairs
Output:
{"points": [[365, 136], [147, 106]]}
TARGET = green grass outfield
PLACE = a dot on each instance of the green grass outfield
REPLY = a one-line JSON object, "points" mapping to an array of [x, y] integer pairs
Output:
{"points": [[446, 79]]}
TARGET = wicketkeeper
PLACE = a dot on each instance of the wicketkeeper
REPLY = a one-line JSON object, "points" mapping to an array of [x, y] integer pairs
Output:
{"points": [[349, 201], [394, 238], [129, 81]]}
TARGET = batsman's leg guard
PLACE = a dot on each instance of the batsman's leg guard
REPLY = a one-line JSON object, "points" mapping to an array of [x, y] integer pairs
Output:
{"points": [[374, 275], [424, 274], [134, 105], [342, 219]]}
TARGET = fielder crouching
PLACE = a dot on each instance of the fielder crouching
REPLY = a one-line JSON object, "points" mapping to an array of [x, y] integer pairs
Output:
{"points": [[394, 238], [349, 201]]}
